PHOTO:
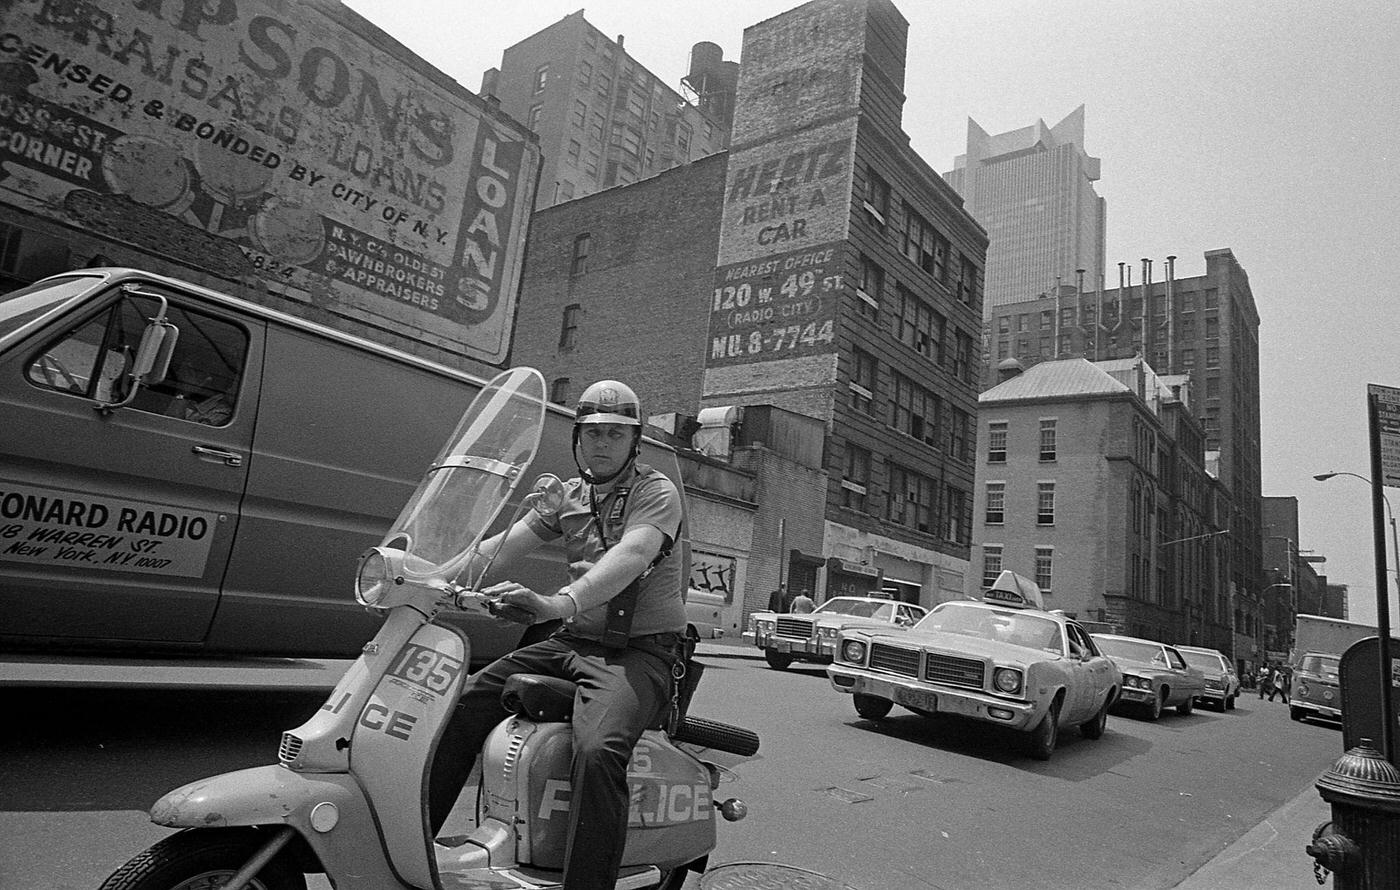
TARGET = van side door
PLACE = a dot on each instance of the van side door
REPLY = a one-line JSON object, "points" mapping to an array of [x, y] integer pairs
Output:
{"points": [[116, 525]]}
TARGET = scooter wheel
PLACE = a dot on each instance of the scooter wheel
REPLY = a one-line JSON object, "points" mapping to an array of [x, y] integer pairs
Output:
{"points": [[201, 857], [720, 736]]}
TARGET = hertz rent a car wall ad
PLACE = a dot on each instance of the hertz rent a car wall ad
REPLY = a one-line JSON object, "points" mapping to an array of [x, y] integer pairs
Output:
{"points": [[786, 212], [343, 173]]}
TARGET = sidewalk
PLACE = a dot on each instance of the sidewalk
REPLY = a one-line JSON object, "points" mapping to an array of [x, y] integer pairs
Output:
{"points": [[1269, 856]]}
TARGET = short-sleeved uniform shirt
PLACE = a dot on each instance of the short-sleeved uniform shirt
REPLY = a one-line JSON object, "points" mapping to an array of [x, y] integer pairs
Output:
{"points": [[651, 499]]}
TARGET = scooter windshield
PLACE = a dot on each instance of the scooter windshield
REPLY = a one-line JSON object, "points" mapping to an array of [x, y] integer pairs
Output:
{"points": [[472, 477]]}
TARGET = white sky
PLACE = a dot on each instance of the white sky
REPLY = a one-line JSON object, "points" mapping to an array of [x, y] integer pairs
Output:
{"points": [[1265, 126]]}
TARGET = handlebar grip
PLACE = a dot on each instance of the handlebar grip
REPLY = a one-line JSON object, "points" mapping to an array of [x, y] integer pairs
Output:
{"points": [[720, 736]]}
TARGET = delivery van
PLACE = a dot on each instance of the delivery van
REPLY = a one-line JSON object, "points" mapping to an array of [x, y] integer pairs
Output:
{"points": [[185, 471]]}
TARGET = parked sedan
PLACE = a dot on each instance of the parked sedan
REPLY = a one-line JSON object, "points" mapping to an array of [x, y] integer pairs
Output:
{"points": [[1155, 676], [1222, 683], [1029, 670], [1316, 691], [811, 636]]}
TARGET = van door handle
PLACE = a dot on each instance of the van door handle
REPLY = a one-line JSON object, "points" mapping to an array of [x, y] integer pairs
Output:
{"points": [[231, 458]]}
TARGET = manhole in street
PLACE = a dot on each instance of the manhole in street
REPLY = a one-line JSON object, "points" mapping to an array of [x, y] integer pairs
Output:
{"points": [[766, 876]]}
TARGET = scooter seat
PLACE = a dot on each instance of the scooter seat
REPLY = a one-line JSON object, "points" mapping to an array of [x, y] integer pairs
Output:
{"points": [[540, 697]]}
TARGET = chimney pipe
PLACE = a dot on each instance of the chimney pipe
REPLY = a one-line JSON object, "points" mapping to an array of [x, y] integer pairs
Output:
{"points": [[1171, 317]]}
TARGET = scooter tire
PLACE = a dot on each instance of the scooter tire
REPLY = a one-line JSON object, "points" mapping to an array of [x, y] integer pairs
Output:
{"points": [[193, 857], [720, 736]]}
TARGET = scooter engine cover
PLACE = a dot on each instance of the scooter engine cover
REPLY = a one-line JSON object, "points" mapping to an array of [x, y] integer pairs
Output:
{"points": [[525, 773]]}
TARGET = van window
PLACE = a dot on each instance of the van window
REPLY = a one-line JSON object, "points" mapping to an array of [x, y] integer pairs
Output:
{"points": [[205, 370]]}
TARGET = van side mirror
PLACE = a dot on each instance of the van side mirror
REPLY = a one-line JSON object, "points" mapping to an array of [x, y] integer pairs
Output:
{"points": [[547, 496], [152, 361]]}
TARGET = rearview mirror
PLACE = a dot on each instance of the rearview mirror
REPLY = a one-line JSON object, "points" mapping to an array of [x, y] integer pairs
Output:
{"points": [[547, 496], [152, 360]]}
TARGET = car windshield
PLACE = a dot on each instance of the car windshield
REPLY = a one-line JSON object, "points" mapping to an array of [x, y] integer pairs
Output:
{"points": [[1206, 661], [26, 304], [1028, 629], [857, 608], [1133, 650], [1327, 666]]}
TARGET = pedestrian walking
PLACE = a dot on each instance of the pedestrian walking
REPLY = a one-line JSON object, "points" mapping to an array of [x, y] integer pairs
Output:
{"points": [[1277, 685], [1261, 679]]}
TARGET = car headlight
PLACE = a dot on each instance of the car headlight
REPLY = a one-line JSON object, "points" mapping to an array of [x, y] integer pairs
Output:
{"points": [[853, 651], [764, 627], [376, 576], [1006, 680], [1136, 682], [829, 632], [1303, 689]]}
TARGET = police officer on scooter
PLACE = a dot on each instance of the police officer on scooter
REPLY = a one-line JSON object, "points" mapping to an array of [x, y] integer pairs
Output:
{"points": [[623, 618]]}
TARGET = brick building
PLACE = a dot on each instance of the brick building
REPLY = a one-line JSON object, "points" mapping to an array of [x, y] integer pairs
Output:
{"points": [[820, 269], [848, 289], [1092, 481], [602, 118], [1204, 328]]}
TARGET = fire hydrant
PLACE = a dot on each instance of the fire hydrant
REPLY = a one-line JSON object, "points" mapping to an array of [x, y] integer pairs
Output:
{"points": [[1362, 842]]}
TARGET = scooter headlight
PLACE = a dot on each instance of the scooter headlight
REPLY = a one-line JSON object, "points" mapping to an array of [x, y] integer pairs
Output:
{"points": [[377, 575]]}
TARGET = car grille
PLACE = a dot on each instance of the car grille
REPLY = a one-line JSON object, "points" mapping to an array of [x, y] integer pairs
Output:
{"points": [[955, 671], [894, 660], [794, 627]]}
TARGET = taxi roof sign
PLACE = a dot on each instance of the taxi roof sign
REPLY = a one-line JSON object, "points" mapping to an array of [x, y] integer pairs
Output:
{"points": [[1011, 589]]}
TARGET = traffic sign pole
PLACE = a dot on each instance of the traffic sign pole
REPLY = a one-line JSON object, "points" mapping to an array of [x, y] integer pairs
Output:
{"points": [[1383, 416]]}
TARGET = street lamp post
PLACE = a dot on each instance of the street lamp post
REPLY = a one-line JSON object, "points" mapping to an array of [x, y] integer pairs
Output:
{"points": [[1201, 607], [1394, 538]]}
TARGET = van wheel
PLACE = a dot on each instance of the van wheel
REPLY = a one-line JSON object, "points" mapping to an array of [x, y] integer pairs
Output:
{"points": [[872, 707], [777, 660], [1295, 713]]}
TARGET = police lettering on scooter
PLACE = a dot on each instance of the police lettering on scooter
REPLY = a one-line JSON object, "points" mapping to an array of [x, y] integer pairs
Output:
{"points": [[623, 618]]}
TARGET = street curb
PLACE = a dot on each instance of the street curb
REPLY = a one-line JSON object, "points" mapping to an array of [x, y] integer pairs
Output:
{"points": [[1270, 856]]}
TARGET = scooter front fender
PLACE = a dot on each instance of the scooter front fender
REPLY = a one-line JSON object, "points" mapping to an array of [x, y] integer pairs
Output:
{"points": [[327, 809]]}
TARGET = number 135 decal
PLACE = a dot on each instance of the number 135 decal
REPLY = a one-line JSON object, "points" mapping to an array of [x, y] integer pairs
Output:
{"points": [[426, 668]]}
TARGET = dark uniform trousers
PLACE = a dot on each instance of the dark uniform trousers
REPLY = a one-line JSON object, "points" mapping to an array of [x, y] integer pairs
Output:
{"points": [[621, 692]]}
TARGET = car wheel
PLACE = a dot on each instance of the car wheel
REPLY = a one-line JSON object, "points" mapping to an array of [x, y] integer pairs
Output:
{"points": [[872, 707], [1095, 727], [1186, 707], [1230, 703], [778, 661], [1295, 713], [1041, 741], [1154, 710]]}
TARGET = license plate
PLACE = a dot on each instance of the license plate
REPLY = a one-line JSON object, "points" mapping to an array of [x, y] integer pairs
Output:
{"points": [[782, 645], [918, 699]]}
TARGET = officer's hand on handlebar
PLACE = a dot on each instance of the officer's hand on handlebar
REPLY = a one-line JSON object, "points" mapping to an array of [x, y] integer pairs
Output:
{"points": [[516, 602]]}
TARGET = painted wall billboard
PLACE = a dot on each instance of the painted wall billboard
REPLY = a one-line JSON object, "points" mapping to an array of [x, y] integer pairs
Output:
{"points": [[347, 172], [787, 204]]}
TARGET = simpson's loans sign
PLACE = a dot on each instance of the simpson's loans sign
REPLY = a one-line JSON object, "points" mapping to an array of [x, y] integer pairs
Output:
{"points": [[347, 175]]}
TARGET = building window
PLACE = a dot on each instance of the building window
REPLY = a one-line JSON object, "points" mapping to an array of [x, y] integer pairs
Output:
{"points": [[991, 564], [532, 121], [1044, 568], [568, 328], [962, 357], [580, 113], [872, 286], [967, 281], [683, 140], [583, 244], [862, 383], [877, 195], [917, 325], [1212, 298], [914, 410], [1212, 328], [575, 149], [1212, 356], [559, 391], [996, 503], [910, 500], [1045, 503], [541, 78], [919, 238], [955, 515], [604, 82], [856, 478], [1188, 358], [996, 442], [563, 191], [595, 129], [1187, 301], [959, 423], [1212, 387], [1047, 438], [1003, 324], [585, 74]]}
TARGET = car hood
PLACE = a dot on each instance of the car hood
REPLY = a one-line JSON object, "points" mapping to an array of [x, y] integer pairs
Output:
{"points": [[1147, 668], [961, 644]]}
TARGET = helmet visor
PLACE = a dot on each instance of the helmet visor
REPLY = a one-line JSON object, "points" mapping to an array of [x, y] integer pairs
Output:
{"points": [[613, 411]]}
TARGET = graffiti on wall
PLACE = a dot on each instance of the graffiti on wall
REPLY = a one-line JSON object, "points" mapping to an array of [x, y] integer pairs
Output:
{"points": [[335, 168], [712, 573]]}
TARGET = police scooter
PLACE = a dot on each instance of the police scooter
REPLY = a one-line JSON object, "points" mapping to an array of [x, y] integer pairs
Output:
{"points": [[348, 798]]}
